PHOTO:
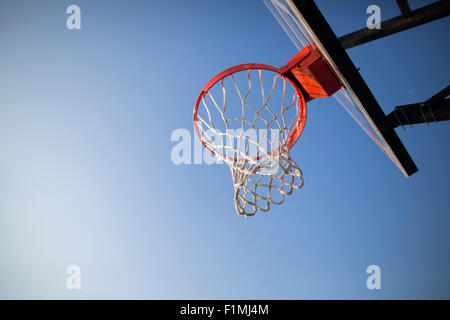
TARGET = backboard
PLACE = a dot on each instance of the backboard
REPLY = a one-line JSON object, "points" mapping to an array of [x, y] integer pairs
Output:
{"points": [[305, 25]]}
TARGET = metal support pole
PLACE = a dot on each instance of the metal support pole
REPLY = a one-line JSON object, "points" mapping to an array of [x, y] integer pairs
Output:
{"points": [[404, 8]]}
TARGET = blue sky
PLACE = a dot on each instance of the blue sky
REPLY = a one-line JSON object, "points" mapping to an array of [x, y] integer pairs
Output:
{"points": [[86, 176]]}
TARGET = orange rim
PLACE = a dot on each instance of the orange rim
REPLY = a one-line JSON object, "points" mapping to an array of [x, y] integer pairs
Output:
{"points": [[301, 104]]}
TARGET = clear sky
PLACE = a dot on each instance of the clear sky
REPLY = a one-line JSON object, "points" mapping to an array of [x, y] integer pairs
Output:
{"points": [[86, 176]]}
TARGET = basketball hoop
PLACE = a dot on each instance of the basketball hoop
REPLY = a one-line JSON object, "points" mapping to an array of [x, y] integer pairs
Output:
{"points": [[258, 170], [251, 126]]}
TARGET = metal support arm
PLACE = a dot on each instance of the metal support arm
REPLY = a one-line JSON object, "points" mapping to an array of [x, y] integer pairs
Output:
{"points": [[408, 19], [435, 109]]}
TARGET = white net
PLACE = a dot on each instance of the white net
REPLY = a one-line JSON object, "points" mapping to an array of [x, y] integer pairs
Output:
{"points": [[250, 125]]}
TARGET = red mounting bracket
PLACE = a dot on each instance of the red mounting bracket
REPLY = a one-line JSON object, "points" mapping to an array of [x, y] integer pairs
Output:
{"points": [[313, 73]]}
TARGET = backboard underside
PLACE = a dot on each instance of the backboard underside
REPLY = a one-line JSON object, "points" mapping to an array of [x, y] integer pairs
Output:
{"points": [[304, 24]]}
